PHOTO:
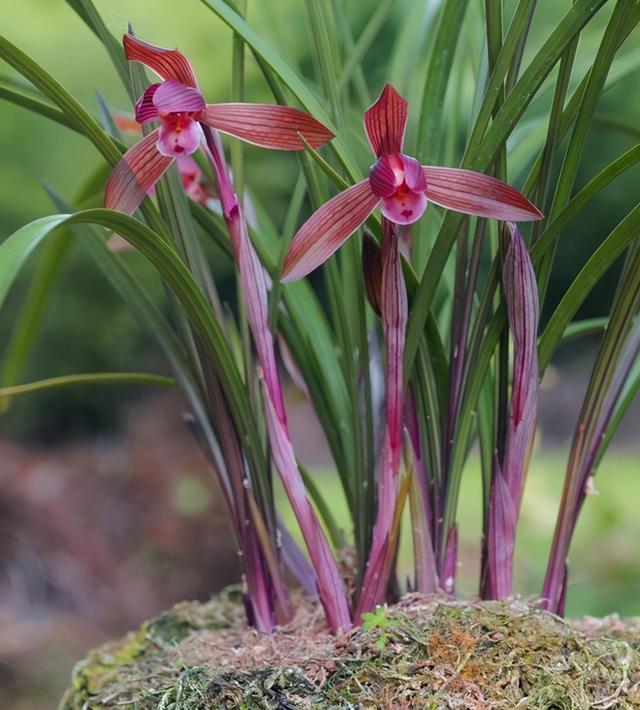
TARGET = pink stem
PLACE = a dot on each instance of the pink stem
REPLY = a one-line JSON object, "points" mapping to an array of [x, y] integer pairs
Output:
{"points": [[394, 310], [331, 588]]}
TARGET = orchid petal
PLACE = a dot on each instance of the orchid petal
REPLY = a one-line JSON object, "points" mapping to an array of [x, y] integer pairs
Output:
{"points": [[174, 97], [136, 173], [477, 194], [145, 108], [413, 173], [177, 138], [385, 122], [267, 125], [327, 229], [167, 63], [383, 178], [405, 207]]}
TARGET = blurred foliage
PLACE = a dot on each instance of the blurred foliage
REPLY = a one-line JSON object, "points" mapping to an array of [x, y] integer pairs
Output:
{"points": [[36, 150]]}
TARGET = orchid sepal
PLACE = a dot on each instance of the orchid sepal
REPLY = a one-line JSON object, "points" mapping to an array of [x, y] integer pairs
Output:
{"points": [[328, 228], [267, 125]]}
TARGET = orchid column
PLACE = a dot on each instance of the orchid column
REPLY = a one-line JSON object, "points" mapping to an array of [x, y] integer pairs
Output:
{"points": [[401, 187]]}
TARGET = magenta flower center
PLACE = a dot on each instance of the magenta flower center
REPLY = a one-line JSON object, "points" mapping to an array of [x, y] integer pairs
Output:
{"points": [[400, 183], [177, 123]]}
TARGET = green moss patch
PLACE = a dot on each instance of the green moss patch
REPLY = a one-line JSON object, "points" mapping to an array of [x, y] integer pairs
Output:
{"points": [[421, 653]]}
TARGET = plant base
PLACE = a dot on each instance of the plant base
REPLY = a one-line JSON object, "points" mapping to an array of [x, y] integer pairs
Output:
{"points": [[425, 652]]}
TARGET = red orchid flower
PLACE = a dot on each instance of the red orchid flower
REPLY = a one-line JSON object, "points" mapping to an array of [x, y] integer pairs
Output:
{"points": [[176, 102], [402, 187]]}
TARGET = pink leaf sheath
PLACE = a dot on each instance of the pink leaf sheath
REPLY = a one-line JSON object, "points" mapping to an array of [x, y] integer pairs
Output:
{"points": [[521, 297], [394, 321], [501, 537], [424, 560], [521, 300], [295, 560], [331, 589], [266, 125], [167, 63], [327, 229], [477, 194], [136, 173], [385, 122]]}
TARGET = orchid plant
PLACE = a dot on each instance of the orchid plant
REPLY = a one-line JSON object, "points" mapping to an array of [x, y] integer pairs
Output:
{"points": [[419, 337]]}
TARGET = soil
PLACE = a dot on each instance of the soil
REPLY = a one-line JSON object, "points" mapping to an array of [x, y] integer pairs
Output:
{"points": [[424, 652]]}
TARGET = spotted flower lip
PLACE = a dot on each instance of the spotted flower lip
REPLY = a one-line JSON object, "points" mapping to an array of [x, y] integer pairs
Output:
{"points": [[402, 188], [179, 107]]}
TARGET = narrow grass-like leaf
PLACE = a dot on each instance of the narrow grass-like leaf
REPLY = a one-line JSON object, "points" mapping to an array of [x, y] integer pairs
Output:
{"points": [[31, 100], [94, 378], [593, 89], [604, 256], [449, 27], [619, 349], [89, 14], [28, 321]]}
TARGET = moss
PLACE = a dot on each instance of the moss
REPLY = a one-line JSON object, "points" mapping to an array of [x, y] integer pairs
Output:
{"points": [[423, 653]]}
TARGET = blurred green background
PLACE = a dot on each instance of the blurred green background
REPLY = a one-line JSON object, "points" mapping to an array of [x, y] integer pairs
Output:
{"points": [[87, 328]]}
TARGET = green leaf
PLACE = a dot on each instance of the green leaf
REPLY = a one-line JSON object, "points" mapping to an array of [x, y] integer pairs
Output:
{"points": [[600, 261], [449, 26], [593, 89], [93, 378], [357, 52], [28, 320]]}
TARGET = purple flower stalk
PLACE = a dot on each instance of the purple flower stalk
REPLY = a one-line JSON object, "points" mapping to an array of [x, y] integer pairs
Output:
{"points": [[186, 123], [331, 589], [402, 188]]}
